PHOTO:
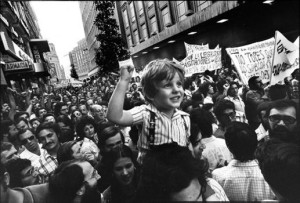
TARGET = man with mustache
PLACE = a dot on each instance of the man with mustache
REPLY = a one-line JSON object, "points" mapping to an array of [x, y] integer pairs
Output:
{"points": [[47, 134], [282, 117]]}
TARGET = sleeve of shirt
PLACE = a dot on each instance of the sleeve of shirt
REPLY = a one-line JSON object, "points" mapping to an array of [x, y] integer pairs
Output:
{"points": [[137, 114]]}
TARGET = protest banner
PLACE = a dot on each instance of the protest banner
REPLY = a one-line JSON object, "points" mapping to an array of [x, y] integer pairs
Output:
{"points": [[191, 48], [253, 60], [285, 60], [200, 61]]}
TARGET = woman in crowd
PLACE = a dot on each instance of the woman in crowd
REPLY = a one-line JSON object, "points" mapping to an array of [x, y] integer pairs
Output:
{"points": [[124, 171], [66, 128]]}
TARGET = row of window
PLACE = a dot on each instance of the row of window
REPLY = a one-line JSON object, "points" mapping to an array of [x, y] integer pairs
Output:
{"points": [[141, 32]]}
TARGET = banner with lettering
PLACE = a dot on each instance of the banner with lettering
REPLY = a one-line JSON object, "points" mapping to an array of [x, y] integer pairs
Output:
{"points": [[191, 48], [200, 61], [286, 58], [253, 60]]}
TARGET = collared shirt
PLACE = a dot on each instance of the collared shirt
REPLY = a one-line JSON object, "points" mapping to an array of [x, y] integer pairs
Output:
{"points": [[238, 103], [243, 181], [48, 163], [166, 130], [216, 152], [219, 194]]}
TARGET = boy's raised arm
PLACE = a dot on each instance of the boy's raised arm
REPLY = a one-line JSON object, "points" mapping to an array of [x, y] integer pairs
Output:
{"points": [[115, 112]]}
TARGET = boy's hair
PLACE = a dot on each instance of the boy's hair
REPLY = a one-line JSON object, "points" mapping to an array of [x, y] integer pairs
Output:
{"points": [[14, 168], [157, 71]]}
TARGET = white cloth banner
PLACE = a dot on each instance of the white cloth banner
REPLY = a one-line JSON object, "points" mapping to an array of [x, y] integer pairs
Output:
{"points": [[286, 58], [200, 61], [191, 48], [253, 60]]}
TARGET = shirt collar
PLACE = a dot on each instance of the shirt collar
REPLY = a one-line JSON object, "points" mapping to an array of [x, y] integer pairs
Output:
{"points": [[177, 112], [237, 163]]}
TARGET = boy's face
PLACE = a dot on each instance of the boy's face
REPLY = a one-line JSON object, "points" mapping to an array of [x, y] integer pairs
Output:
{"points": [[169, 95]]}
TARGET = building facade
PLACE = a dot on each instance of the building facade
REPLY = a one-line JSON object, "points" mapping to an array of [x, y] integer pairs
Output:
{"points": [[55, 68], [21, 47], [88, 14], [158, 29], [80, 57]]}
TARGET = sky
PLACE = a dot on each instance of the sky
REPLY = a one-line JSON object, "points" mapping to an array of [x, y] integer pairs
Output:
{"points": [[60, 23]]}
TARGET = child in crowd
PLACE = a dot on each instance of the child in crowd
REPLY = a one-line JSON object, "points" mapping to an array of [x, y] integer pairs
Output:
{"points": [[162, 84]]}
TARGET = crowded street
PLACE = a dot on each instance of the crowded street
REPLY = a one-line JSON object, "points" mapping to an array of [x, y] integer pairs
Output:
{"points": [[155, 101]]}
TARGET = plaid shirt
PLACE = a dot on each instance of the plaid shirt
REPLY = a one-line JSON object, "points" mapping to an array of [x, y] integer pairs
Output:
{"points": [[243, 181], [48, 163]]}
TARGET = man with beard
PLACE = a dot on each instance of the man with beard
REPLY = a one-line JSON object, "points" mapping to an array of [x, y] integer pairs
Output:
{"points": [[282, 117], [75, 181]]}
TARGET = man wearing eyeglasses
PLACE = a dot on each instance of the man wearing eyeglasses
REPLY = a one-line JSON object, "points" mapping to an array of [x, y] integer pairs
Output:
{"points": [[31, 149], [282, 117]]}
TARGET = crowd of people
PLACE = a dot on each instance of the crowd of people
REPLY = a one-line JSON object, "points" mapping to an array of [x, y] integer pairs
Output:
{"points": [[156, 137]]}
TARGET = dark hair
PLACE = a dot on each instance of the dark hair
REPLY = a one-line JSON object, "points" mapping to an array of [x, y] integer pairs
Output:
{"points": [[203, 121], [20, 113], [52, 126], [48, 114], [57, 108], [34, 119], [280, 165], [252, 82], [37, 111], [282, 104], [166, 170], [220, 85], [5, 146], [277, 92], [157, 71], [14, 168], [107, 133], [204, 88], [84, 120], [222, 105], [67, 179], [65, 119], [197, 99], [230, 87], [186, 104], [65, 152], [5, 127], [241, 140], [21, 119]]}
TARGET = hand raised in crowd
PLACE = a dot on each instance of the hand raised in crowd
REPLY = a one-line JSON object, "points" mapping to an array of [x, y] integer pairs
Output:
{"points": [[126, 72]]}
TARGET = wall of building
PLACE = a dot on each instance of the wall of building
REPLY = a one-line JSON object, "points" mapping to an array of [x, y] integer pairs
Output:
{"points": [[249, 21]]}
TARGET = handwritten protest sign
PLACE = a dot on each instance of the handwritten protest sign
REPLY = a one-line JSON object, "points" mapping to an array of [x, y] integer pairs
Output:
{"points": [[286, 58], [191, 48], [253, 60], [200, 61]]}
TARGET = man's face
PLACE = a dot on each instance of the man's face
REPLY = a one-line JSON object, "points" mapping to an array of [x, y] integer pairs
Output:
{"points": [[12, 131], [29, 140], [98, 112], [49, 139], [282, 121], [5, 108], [227, 117], [8, 155], [29, 176], [42, 112], [233, 90], [22, 126], [25, 116], [83, 110], [64, 110], [50, 119], [113, 142], [258, 83]]}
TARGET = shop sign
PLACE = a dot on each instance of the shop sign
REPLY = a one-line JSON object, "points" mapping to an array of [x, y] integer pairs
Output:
{"points": [[16, 66]]}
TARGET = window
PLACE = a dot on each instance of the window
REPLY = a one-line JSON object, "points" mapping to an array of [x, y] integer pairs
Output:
{"points": [[202, 4], [125, 17], [166, 16], [131, 7], [140, 8], [181, 8], [136, 36], [150, 3], [129, 41], [144, 31], [153, 24]]}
